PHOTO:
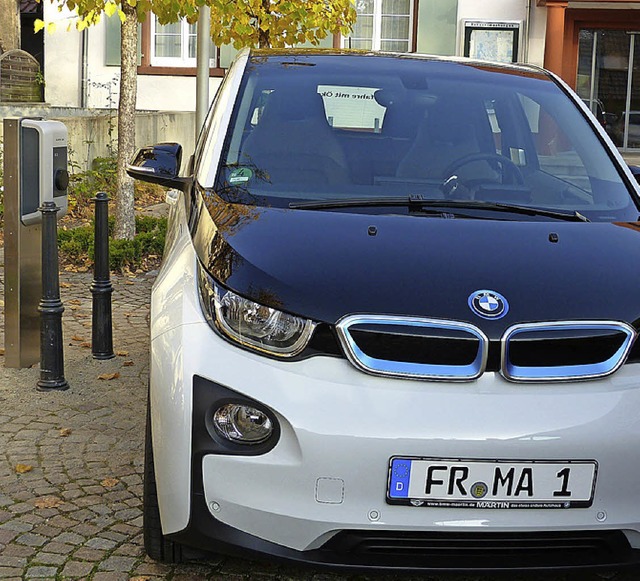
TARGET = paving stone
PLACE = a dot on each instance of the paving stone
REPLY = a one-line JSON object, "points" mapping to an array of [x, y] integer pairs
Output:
{"points": [[70, 538], [43, 558], [77, 569], [39, 572], [117, 563], [31, 540], [89, 554], [98, 543]]}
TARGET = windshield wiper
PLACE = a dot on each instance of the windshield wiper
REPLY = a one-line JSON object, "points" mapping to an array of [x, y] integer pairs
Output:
{"points": [[417, 203]]}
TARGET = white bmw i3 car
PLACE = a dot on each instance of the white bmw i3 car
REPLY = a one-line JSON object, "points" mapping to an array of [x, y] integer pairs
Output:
{"points": [[394, 326]]}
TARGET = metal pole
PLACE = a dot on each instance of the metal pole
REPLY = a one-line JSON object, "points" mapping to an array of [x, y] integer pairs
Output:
{"points": [[202, 63], [51, 308], [22, 262], [101, 288]]}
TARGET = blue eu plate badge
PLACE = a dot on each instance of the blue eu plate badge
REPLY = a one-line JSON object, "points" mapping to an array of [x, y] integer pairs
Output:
{"points": [[399, 478]]}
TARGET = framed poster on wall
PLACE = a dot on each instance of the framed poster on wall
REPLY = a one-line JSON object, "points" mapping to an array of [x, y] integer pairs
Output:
{"points": [[497, 41]]}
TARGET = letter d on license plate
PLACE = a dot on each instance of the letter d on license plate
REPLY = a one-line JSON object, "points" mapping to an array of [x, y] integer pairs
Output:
{"points": [[490, 483]]}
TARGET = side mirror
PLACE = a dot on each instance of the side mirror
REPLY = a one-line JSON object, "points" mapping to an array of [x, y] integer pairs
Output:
{"points": [[159, 164]]}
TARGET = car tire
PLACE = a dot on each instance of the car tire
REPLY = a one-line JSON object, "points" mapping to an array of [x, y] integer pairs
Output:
{"points": [[157, 546]]}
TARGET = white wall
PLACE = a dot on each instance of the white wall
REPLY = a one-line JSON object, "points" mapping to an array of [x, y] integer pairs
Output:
{"points": [[63, 72], [61, 58], [492, 9], [537, 32]]}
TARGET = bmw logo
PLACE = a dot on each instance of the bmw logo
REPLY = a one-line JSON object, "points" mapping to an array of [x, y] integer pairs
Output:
{"points": [[488, 304]]}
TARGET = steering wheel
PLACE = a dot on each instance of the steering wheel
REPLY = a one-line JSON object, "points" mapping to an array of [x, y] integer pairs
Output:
{"points": [[509, 171]]}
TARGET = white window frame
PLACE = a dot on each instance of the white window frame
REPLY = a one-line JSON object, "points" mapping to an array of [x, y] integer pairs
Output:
{"points": [[376, 38], [183, 60]]}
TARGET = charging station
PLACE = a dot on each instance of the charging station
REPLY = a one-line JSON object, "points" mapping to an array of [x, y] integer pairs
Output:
{"points": [[35, 172], [43, 154]]}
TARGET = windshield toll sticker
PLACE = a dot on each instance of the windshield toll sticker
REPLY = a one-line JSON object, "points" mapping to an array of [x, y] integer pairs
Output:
{"points": [[240, 175]]}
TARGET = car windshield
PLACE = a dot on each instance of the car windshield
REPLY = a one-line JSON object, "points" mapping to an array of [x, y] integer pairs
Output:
{"points": [[319, 127]]}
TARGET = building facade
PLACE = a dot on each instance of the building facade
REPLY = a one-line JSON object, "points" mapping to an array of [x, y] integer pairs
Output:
{"points": [[593, 45]]}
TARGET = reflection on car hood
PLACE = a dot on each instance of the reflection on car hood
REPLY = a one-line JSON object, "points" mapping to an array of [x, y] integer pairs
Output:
{"points": [[325, 264]]}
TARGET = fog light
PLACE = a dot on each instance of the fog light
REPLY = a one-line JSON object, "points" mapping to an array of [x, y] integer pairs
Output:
{"points": [[242, 423]]}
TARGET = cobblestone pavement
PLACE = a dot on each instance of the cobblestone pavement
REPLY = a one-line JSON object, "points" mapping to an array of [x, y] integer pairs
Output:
{"points": [[71, 462]]}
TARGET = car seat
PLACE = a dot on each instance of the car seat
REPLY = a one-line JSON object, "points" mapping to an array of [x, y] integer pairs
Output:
{"points": [[293, 142]]}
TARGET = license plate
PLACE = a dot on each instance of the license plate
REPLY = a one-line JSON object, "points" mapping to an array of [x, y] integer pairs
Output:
{"points": [[491, 484]]}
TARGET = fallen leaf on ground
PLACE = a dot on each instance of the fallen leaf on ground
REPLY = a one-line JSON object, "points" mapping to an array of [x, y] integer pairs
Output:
{"points": [[109, 376], [48, 502], [65, 285], [127, 282], [77, 338], [109, 482], [74, 301], [22, 468], [1, 350], [122, 353], [64, 432], [86, 345], [128, 364]]}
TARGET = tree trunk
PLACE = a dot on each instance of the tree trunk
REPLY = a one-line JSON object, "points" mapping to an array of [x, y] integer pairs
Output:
{"points": [[10, 28], [263, 35], [125, 225]]}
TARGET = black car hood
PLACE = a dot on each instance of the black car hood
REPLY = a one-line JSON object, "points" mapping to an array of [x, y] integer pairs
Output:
{"points": [[324, 265]]}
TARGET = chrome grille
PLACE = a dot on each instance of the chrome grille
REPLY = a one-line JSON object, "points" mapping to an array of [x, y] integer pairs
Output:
{"points": [[420, 348], [414, 348], [562, 351]]}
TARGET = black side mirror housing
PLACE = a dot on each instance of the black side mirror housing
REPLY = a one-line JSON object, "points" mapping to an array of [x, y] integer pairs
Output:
{"points": [[159, 164]]}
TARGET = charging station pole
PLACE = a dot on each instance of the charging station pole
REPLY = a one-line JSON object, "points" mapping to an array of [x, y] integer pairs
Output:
{"points": [[22, 263], [35, 175]]}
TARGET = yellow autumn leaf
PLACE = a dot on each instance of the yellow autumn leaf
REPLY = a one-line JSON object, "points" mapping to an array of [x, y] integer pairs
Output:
{"points": [[121, 15], [109, 482], [128, 364], [51, 27], [64, 432], [110, 8], [48, 502], [109, 376], [122, 353], [38, 25], [22, 468]]}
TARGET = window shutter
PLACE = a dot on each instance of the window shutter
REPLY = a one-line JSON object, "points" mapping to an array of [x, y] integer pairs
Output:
{"points": [[112, 40]]}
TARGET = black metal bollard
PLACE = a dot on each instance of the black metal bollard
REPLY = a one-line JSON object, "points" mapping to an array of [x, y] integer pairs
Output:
{"points": [[50, 307], [101, 288]]}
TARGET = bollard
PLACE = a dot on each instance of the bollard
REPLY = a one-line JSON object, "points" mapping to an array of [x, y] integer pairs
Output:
{"points": [[50, 307], [101, 288]]}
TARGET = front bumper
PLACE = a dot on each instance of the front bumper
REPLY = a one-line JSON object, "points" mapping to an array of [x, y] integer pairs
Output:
{"points": [[262, 494]]}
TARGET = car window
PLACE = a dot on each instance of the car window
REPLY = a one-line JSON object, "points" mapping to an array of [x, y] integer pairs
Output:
{"points": [[322, 128]]}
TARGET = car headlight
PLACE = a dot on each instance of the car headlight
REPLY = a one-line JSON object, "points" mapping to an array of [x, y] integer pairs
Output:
{"points": [[252, 324]]}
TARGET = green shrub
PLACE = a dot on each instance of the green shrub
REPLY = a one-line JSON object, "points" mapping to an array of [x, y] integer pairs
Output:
{"points": [[83, 186], [77, 244]]}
